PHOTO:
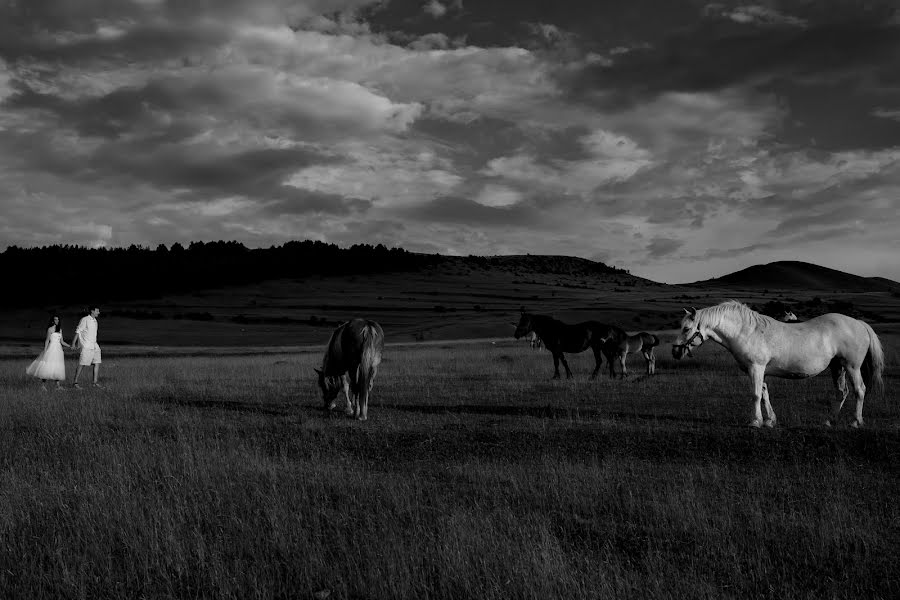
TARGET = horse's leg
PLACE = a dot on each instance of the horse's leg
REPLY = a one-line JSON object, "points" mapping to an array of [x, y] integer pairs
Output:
{"points": [[598, 360], [348, 409], [651, 366], [556, 365], [770, 413], [623, 356], [364, 392], [355, 390], [565, 363], [757, 373], [611, 360], [839, 377], [859, 388]]}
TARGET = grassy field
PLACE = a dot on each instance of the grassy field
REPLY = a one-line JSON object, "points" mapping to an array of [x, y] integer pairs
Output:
{"points": [[476, 476]]}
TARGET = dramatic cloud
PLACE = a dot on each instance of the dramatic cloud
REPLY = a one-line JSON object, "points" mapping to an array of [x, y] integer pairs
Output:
{"points": [[680, 139]]}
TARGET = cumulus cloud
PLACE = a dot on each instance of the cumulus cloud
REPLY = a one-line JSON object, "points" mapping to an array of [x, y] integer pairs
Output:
{"points": [[718, 134], [660, 246], [887, 113], [435, 9], [752, 14], [498, 196]]}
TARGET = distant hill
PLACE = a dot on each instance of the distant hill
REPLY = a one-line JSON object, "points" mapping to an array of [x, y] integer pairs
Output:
{"points": [[796, 275], [136, 272]]}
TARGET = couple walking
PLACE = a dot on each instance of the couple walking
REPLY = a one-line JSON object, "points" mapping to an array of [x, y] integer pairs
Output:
{"points": [[50, 365]]}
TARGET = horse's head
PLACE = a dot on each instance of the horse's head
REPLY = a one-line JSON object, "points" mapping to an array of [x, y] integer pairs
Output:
{"points": [[524, 327], [690, 336], [788, 316], [330, 386]]}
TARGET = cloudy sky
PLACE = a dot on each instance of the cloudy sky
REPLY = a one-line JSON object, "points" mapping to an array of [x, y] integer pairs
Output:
{"points": [[680, 139]]}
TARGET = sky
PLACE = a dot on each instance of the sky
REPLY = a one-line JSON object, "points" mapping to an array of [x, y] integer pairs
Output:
{"points": [[679, 139]]}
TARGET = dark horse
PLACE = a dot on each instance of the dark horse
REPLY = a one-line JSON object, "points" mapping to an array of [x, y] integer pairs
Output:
{"points": [[350, 364], [559, 337]]}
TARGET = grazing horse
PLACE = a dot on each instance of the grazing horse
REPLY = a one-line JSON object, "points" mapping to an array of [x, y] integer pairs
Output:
{"points": [[350, 364], [642, 342], [762, 345], [558, 337]]}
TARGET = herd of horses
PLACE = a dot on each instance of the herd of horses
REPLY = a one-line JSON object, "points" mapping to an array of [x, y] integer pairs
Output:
{"points": [[606, 340], [760, 344]]}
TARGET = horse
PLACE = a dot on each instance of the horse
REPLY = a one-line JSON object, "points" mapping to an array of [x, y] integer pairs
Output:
{"points": [[559, 337], [350, 363], [762, 345], [642, 342], [535, 341]]}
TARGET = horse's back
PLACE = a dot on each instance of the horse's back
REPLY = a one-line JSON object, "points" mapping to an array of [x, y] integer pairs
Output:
{"points": [[831, 327], [808, 347], [352, 341], [361, 334]]}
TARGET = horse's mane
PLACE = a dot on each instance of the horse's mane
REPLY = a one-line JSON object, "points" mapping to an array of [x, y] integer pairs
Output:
{"points": [[714, 315], [332, 341]]}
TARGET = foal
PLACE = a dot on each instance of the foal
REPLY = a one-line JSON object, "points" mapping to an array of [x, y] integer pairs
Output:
{"points": [[642, 342]]}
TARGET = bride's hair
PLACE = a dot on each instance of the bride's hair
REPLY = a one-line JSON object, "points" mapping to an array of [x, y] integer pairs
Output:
{"points": [[58, 325]]}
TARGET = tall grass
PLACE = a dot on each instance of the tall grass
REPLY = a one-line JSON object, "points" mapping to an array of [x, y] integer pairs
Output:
{"points": [[476, 476]]}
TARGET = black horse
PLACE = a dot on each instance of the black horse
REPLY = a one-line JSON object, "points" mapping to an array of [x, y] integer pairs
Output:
{"points": [[558, 337]]}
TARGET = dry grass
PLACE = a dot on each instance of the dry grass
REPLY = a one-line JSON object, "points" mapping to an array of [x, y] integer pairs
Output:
{"points": [[475, 477]]}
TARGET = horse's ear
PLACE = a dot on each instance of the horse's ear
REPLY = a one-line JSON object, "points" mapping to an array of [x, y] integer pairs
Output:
{"points": [[691, 311], [318, 372]]}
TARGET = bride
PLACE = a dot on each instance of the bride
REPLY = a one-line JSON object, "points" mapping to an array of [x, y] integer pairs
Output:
{"points": [[50, 364]]}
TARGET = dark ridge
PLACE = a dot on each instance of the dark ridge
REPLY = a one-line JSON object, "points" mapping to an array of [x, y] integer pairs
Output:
{"points": [[58, 274], [798, 275]]}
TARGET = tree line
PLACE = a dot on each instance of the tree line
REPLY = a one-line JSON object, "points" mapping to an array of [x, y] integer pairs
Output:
{"points": [[68, 274]]}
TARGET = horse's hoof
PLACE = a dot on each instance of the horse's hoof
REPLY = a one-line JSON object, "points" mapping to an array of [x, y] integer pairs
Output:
{"points": [[828, 423], [770, 423], [856, 424], [756, 423]]}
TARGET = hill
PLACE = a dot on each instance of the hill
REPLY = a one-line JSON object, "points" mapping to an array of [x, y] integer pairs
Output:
{"points": [[414, 296], [218, 295], [796, 275]]}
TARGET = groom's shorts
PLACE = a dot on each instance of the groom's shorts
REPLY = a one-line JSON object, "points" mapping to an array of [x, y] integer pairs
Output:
{"points": [[90, 356]]}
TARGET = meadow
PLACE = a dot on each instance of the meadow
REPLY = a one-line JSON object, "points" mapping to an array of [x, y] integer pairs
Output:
{"points": [[218, 476]]}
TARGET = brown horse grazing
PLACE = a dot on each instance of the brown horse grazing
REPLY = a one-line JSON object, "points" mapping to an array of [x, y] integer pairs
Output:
{"points": [[350, 364], [558, 337], [642, 342]]}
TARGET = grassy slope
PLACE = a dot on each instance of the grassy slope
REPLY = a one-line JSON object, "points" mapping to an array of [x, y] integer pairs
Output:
{"points": [[217, 477], [455, 300]]}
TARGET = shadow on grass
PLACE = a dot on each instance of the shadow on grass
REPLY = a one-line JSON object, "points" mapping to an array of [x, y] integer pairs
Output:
{"points": [[280, 409], [572, 413]]}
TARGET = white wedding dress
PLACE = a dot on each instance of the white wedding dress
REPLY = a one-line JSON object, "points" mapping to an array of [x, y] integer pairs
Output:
{"points": [[51, 363]]}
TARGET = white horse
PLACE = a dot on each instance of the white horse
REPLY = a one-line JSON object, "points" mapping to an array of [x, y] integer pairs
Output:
{"points": [[534, 340], [762, 345]]}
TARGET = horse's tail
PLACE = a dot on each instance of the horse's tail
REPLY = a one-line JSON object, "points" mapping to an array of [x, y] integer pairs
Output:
{"points": [[373, 341], [873, 364]]}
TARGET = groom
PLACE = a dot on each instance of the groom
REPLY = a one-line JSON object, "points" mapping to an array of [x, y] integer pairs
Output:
{"points": [[86, 338]]}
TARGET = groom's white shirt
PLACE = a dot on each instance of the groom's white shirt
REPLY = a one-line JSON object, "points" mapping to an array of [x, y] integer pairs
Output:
{"points": [[87, 331]]}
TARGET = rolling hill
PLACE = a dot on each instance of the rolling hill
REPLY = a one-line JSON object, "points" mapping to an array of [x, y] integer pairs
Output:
{"points": [[796, 275], [415, 298]]}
